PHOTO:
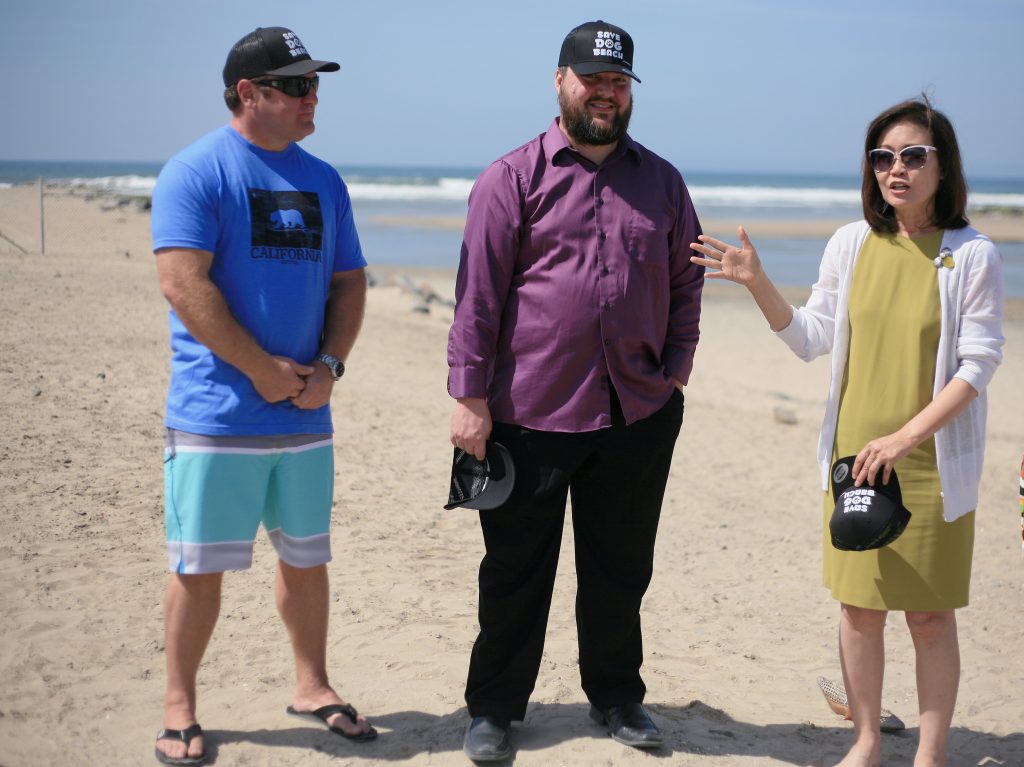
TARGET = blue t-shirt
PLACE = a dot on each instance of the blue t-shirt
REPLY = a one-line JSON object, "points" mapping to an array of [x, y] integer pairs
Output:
{"points": [[279, 225]]}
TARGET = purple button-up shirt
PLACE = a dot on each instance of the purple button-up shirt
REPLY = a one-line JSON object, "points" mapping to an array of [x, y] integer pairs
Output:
{"points": [[574, 276]]}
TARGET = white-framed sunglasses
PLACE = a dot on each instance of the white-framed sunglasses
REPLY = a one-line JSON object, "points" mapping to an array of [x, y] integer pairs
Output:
{"points": [[913, 157]]}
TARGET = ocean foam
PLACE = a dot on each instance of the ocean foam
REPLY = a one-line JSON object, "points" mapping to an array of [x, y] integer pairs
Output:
{"points": [[774, 196], [129, 186], [456, 189], [449, 189]]}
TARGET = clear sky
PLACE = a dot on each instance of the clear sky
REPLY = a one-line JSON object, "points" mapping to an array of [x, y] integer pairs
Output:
{"points": [[728, 85]]}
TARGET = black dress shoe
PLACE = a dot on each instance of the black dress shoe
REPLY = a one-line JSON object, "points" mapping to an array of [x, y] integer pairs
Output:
{"points": [[628, 724], [487, 739]]}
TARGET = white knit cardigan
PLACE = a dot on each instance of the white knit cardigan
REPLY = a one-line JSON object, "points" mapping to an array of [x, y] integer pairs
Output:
{"points": [[971, 297]]}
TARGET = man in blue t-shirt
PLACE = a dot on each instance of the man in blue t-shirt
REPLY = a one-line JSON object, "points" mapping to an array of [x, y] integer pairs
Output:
{"points": [[258, 256]]}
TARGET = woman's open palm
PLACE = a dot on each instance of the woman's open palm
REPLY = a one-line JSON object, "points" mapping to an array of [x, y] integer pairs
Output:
{"points": [[728, 262]]}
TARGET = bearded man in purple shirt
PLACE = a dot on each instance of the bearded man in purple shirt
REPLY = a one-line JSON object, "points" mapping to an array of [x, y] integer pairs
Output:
{"points": [[575, 328]]}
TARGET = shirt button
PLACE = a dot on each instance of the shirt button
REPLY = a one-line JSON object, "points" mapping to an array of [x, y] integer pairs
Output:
{"points": [[604, 271], [606, 306], [602, 236], [600, 202], [607, 342]]}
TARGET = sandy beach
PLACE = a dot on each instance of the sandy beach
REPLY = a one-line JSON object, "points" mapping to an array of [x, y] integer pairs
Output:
{"points": [[737, 626]]}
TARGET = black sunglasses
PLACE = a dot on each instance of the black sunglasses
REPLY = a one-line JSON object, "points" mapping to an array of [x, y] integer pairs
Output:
{"points": [[297, 87], [912, 157]]}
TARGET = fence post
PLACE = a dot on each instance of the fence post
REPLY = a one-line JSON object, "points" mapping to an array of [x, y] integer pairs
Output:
{"points": [[42, 226]]}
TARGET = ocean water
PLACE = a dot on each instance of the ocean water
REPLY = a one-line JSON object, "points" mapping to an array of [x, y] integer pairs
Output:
{"points": [[382, 194]]}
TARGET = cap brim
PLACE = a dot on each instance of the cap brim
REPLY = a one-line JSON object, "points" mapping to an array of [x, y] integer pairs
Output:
{"points": [[304, 67], [596, 67]]}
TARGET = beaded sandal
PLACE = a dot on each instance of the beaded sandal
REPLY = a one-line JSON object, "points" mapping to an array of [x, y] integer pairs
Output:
{"points": [[835, 695]]}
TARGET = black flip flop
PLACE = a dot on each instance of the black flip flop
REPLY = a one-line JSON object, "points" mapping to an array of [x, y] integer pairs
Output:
{"points": [[324, 713], [186, 735]]}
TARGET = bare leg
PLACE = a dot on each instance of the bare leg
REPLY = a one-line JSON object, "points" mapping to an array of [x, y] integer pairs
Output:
{"points": [[303, 602], [862, 654], [191, 608], [938, 678]]}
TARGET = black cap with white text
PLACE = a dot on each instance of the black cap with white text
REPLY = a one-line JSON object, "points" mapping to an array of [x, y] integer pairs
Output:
{"points": [[598, 46], [271, 51], [865, 517]]}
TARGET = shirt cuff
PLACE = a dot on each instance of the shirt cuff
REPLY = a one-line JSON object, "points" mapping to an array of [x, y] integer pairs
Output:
{"points": [[794, 335], [467, 382], [679, 364], [976, 374]]}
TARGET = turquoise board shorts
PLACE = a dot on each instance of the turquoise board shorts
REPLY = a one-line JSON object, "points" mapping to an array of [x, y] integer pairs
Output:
{"points": [[217, 491]]}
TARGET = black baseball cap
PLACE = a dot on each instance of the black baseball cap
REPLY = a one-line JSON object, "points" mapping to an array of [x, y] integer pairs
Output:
{"points": [[865, 517], [271, 51], [598, 46], [485, 484]]}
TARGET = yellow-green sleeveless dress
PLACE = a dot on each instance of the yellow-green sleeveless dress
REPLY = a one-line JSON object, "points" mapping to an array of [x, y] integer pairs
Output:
{"points": [[894, 335]]}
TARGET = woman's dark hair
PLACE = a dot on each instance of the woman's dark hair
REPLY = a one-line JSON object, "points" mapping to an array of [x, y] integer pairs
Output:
{"points": [[950, 205]]}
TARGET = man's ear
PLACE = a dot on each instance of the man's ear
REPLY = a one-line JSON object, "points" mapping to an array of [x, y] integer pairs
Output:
{"points": [[247, 91]]}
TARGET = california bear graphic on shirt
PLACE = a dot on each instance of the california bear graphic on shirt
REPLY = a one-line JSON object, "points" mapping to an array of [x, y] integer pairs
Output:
{"points": [[287, 220]]}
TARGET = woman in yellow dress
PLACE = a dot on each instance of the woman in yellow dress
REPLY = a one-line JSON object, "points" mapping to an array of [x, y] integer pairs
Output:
{"points": [[909, 303]]}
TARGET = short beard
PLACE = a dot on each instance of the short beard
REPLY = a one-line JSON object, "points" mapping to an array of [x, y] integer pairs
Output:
{"points": [[577, 122]]}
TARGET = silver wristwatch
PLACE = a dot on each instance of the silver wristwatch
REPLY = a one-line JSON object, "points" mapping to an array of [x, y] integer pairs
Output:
{"points": [[336, 366]]}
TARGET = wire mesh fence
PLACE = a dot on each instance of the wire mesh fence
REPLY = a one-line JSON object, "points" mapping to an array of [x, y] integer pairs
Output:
{"points": [[46, 217]]}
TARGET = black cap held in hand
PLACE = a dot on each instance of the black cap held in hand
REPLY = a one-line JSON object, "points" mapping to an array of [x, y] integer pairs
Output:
{"points": [[865, 517], [482, 485], [598, 47], [271, 51]]}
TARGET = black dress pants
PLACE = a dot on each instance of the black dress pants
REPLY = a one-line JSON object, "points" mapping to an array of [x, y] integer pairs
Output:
{"points": [[616, 478]]}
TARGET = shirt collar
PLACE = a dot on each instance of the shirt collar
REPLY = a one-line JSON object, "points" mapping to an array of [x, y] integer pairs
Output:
{"points": [[555, 142]]}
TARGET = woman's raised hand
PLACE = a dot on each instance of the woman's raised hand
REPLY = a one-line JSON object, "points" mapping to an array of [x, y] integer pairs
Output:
{"points": [[736, 264], [742, 266]]}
